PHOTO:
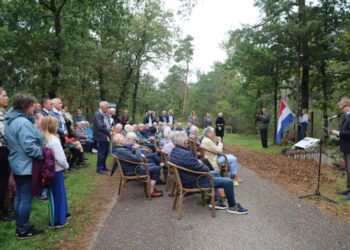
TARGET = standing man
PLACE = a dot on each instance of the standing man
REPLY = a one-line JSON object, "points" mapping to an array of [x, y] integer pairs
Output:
{"points": [[61, 126], [46, 106], [344, 141], [304, 121], [264, 119], [171, 117], [102, 134]]}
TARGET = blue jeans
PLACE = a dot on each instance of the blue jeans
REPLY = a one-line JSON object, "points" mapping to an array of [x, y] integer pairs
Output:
{"points": [[154, 171], [102, 153], [232, 164], [303, 130], [227, 185], [23, 201]]}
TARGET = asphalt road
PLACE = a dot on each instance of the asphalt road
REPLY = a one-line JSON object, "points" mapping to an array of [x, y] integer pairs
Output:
{"points": [[277, 219]]}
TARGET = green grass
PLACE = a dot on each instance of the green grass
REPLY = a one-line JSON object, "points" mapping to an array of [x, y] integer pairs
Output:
{"points": [[253, 142], [79, 185]]}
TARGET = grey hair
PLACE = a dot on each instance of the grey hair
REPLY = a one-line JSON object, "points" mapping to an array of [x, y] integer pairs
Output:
{"points": [[119, 126], [103, 103], [180, 137], [116, 138], [207, 130], [131, 135], [36, 116], [194, 128], [127, 128]]}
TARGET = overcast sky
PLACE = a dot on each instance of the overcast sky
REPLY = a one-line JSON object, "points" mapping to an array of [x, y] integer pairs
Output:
{"points": [[208, 24]]}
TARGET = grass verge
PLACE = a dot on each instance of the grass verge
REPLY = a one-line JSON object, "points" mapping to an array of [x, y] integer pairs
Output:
{"points": [[85, 203]]}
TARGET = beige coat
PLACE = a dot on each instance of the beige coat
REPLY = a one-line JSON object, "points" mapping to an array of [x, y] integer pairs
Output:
{"points": [[211, 145]]}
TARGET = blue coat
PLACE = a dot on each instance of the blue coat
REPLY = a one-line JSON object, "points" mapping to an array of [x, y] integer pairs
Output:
{"points": [[100, 131], [184, 158], [126, 153], [344, 136], [24, 142]]}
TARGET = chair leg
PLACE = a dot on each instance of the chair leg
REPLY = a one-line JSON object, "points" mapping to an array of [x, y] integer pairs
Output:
{"points": [[173, 192], [175, 199], [213, 212], [180, 208], [121, 191], [167, 181], [149, 189]]}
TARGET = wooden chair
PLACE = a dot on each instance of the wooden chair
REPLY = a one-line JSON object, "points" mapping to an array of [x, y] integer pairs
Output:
{"points": [[164, 157], [223, 167], [180, 191], [195, 149], [124, 178]]}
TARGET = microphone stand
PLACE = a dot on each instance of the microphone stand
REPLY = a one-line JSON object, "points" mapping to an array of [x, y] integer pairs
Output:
{"points": [[317, 191]]}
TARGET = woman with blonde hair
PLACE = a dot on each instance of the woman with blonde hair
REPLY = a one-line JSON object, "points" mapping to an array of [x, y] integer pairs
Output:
{"points": [[58, 199]]}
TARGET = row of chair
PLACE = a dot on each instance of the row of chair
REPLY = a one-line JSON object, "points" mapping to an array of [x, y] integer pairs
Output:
{"points": [[178, 191]]}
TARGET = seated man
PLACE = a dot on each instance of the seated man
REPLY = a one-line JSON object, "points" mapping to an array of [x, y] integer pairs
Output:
{"points": [[134, 154], [143, 137], [81, 135], [179, 127], [117, 129], [209, 143], [183, 157]]}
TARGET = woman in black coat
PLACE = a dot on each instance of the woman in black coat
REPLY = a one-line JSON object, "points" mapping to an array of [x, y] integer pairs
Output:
{"points": [[220, 125]]}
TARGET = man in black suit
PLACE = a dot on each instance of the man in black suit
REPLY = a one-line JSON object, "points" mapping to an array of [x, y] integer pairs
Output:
{"points": [[47, 106], [344, 141], [164, 117]]}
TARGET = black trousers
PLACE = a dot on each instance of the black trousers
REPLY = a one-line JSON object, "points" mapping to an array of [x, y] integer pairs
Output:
{"points": [[347, 169], [263, 133], [4, 177]]}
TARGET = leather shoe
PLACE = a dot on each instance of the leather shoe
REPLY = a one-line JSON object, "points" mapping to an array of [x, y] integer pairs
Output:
{"points": [[155, 194], [346, 192]]}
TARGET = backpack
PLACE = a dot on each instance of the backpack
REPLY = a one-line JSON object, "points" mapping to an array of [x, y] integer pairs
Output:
{"points": [[48, 168]]}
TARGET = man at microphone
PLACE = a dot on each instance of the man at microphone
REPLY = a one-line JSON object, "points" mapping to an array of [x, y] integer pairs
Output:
{"points": [[344, 141]]}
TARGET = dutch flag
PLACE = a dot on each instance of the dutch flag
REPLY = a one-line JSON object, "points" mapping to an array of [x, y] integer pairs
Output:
{"points": [[285, 117]]}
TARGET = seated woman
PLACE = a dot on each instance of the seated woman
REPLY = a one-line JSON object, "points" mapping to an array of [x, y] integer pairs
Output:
{"points": [[80, 135], [213, 143], [134, 154]]}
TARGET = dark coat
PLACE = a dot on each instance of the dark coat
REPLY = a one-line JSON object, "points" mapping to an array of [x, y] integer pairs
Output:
{"points": [[344, 136], [220, 126], [184, 158], [100, 131], [164, 118], [128, 154]]}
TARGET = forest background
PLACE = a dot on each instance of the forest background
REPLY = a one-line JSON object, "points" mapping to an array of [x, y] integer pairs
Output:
{"points": [[84, 51]]}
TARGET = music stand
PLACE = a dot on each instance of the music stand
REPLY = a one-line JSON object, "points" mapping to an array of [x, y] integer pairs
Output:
{"points": [[317, 191]]}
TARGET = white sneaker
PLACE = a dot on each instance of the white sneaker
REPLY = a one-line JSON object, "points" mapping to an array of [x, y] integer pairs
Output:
{"points": [[235, 183]]}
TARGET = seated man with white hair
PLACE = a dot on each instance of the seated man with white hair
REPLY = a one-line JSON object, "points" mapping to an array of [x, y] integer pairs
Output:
{"points": [[181, 155], [134, 154], [213, 143]]}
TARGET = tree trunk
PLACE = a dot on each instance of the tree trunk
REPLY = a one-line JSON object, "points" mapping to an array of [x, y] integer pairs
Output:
{"points": [[186, 90], [122, 96], [134, 95], [103, 93]]}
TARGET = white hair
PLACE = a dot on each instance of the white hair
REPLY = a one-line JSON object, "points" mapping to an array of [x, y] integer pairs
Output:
{"points": [[127, 128], [131, 135], [103, 103], [194, 129], [180, 137], [117, 138]]}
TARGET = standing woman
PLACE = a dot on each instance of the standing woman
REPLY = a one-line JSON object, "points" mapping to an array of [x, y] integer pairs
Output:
{"points": [[24, 143], [220, 126], [4, 153], [207, 120], [49, 129]]}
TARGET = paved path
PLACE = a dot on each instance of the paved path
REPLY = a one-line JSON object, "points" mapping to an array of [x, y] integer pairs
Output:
{"points": [[277, 219]]}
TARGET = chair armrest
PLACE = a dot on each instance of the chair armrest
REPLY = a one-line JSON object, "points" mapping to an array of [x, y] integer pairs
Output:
{"points": [[216, 153], [200, 174], [136, 165]]}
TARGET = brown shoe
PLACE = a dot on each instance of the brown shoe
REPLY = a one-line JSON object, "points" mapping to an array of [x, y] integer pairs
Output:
{"points": [[155, 194], [239, 180]]}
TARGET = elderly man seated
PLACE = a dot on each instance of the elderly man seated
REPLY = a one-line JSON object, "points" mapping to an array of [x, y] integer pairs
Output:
{"points": [[134, 154], [183, 157], [213, 143]]}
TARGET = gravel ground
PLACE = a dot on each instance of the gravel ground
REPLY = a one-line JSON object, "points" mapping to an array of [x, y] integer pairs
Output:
{"points": [[277, 219]]}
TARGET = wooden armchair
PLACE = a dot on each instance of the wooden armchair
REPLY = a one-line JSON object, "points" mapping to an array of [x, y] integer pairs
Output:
{"points": [[223, 167], [180, 191], [195, 148], [124, 178], [164, 157]]}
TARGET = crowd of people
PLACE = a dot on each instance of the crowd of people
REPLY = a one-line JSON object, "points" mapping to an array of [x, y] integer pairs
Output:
{"points": [[39, 142], [35, 136]]}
